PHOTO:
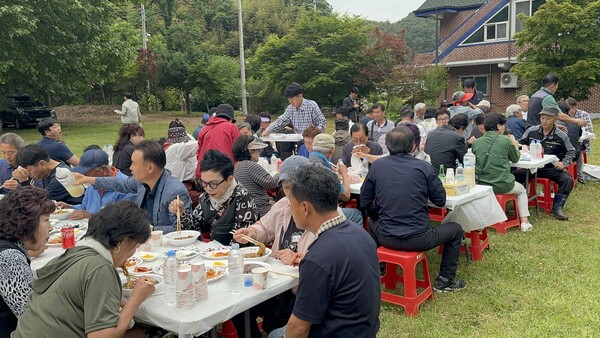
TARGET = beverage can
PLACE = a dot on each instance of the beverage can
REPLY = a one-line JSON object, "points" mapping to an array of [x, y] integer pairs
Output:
{"points": [[68, 237]]}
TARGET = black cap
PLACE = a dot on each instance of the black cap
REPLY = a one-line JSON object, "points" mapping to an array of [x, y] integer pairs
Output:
{"points": [[225, 110], [550, 111]]}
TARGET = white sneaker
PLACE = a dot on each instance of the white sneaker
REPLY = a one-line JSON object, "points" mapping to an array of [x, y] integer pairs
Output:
{"points": [[526, 227]]}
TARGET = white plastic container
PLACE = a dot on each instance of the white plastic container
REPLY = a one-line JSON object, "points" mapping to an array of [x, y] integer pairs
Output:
{"points": [[66, 178]]}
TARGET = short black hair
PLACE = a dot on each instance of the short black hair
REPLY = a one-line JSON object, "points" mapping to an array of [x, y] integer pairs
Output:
{"points": [[549, 79], [153, 152], [479, 119], [240, 148], [212, 110], [20, 213], [430, 112], [400, 140], [293, 89], [442, 112], [316, 185], [357, 127], [254, 121], [128, 95], [176, 123], [92, 147], [354, 90], [415, 130], [407, 112], [379, 105], [31, 154], [571, 102], [459, 120], [45, 124], [468, 83], [492, 120], [118, 221], [214, 160]]}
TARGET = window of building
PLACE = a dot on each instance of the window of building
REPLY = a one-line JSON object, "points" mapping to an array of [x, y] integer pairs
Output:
{"points": [[497, 28], [481, 82]]}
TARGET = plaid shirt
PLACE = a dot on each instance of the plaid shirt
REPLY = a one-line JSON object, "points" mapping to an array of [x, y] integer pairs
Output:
{"points": [[308, 113], [581, 114]]}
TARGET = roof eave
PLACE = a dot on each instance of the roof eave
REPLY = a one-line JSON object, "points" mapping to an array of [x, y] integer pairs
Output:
{"points": [[433, 12]]}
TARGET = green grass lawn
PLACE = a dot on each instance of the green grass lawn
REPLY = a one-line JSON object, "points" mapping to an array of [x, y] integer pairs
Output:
{"points": [[542, 283]]}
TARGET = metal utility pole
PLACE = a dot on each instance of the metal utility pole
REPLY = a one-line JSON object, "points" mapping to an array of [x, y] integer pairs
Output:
{"points": [[242, 60], [145, 43]]}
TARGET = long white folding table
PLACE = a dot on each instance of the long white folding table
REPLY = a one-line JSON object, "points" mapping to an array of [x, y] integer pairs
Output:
{"points": [[205, 315]]}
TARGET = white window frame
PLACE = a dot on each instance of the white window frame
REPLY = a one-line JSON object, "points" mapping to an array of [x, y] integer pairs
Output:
{"points": [[513, 14]]}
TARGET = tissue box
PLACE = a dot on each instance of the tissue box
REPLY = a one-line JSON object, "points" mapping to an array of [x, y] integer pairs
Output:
{"points": [[455, 189]]}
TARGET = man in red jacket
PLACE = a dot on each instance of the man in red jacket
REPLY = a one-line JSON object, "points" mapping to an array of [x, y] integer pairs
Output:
{"points": [[219, 133]]}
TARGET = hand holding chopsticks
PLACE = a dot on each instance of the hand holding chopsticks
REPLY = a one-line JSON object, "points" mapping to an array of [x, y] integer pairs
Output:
{"points": [[246, 238]]}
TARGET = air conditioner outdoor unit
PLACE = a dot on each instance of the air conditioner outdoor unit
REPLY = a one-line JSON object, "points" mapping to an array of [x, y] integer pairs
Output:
{"points": [[508, 80]]}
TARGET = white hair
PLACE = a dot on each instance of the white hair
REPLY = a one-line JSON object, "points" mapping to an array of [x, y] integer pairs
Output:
{"points": [[321, 150], [520, 98], [419, 106], [512, 109]]}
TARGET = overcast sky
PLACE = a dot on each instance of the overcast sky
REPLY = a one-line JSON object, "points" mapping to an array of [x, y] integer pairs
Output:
{"points": [[376, 10]]}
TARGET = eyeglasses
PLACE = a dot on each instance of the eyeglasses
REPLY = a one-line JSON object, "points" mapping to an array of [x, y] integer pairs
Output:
{"points": [[211, 184], [443, 119]]}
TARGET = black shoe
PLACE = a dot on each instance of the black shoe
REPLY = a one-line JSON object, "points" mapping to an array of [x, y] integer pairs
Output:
{"points": [[442, 284], [581, 180], [557, 207], [382, 268]]}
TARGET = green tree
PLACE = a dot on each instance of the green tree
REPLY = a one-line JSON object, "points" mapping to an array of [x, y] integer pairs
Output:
{"points": [[562, 38], [323, 53], [420, 32]]}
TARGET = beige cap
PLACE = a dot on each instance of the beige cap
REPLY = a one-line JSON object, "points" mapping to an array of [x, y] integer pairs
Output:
{"points": [[324, 140]]}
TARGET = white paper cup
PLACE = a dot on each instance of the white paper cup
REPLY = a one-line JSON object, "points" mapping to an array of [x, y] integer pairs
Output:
{"points": [[184, 287], [156, 238], [200, 281], [259, 278]]}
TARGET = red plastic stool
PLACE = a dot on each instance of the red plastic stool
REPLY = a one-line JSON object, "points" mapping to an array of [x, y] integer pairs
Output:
{"points": [[410, 300], [479, 242], [511, 221], [572, 170], [545, 202], [437, 214], [227, 330]]}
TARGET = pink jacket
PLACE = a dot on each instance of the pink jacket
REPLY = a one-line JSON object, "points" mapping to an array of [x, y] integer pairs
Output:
{"points": [[270, 226]]}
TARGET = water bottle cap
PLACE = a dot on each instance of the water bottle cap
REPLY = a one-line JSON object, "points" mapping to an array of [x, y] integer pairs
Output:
{"points": [[235, 246], [171, 253]]}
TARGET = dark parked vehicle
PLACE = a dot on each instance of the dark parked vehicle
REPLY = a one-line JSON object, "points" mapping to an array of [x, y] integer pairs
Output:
{"points": [[20, 111]]}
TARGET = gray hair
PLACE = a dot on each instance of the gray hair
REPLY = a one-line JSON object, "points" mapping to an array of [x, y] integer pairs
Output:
{"points": [[244, 124], [419, 106], [400, 140], [512, 109], [321, 150], [520, 98], [12, 139]]}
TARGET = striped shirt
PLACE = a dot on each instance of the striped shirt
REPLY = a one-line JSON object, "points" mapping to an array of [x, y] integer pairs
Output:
{"points": [[256, 180], [308, 113]]}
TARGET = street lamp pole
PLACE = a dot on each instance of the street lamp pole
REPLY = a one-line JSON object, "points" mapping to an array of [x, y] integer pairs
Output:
{"points": [[242, 61]]}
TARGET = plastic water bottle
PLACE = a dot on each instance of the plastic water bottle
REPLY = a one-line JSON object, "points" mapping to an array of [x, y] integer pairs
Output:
{"points": [[469, 158], [274, 161], [66, 178], [235, 267], [450, 175], [460, 176], [170, 267]]}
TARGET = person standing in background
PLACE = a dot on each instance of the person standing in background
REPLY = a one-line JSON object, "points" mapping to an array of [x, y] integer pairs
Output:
{"points": [[352, 105], [130, 110]]}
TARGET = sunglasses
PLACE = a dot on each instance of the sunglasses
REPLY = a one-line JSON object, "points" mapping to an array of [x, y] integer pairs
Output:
{"points": [[211, 184]]}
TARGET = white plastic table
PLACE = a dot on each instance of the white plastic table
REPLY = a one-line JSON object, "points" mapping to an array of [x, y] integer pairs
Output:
{"points": [[282, 138], [587, 136], [203, 316], [532, 166]]}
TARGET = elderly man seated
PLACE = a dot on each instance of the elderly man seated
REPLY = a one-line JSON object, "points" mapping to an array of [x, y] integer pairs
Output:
{"points": [[515, 123], [154, 185], [360, 144], [400, 217], [555, 142], [94, 163], [323, 148], [445, 144]]}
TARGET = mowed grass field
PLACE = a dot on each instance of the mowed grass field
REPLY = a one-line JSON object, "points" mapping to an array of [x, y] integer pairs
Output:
{"points": [[544, 283]]}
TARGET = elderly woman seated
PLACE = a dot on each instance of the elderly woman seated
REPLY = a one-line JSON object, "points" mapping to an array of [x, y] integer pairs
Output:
{"points": [[24, 226], [79, 293], [225, 204]]}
